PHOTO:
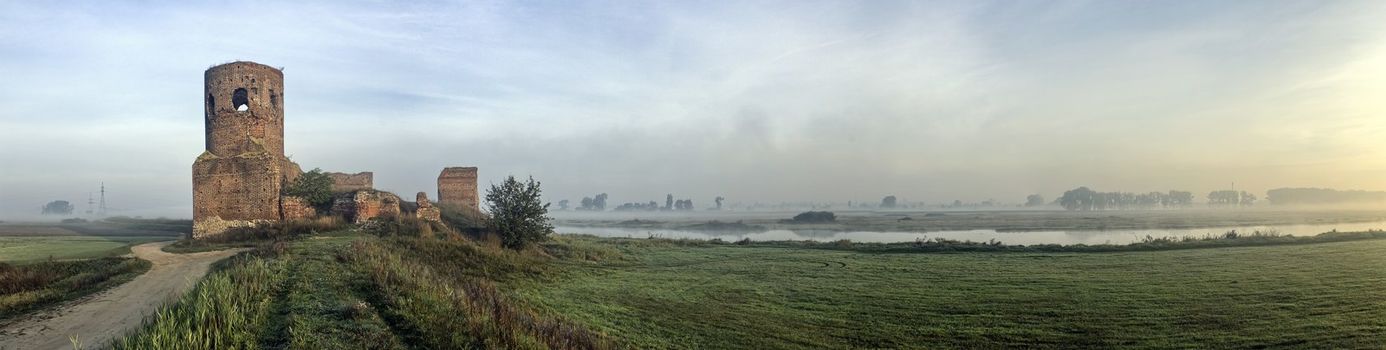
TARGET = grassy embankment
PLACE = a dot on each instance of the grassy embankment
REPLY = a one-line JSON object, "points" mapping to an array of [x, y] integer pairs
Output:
{"points": [[584, 292], [28, 287]]}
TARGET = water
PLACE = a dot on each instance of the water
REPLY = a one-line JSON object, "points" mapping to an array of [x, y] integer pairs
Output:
{"points": [[1025, 238]]}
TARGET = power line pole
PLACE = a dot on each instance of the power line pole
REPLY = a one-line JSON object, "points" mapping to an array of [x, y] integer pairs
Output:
{"points": [[102, 213]]}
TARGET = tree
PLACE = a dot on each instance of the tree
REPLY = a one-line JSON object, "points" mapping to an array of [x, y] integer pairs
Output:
{"points": [[313, 186], [1034, 200], [888, 202], [669, 201], [719, 202], [518, 215], [599, 203], [1080, 198], [59, 207], [563, 204]]}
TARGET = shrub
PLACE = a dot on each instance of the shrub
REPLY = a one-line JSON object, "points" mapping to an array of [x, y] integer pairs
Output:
{"points": [[810, 217], [517, 213], [313, 186]]}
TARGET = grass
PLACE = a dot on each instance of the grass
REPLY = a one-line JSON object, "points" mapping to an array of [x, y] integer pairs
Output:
{"points": [[360, 291], [664, 294], [405, 291], [29, 249], [32, 286]]}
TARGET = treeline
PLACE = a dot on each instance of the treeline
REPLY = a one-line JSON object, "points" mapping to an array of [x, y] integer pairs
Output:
{"points": [[1312, 196], [598, 203], [1083, 198]]}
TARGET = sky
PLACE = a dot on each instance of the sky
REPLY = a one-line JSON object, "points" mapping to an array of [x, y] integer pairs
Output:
{"points": [[751, 100]]}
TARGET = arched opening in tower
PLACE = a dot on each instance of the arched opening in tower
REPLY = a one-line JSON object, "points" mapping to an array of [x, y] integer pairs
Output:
{"points": [[239, 100]]}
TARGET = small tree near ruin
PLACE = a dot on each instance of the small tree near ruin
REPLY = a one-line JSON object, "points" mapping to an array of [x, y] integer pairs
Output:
{"points": [[313, 186], [518, 215]]}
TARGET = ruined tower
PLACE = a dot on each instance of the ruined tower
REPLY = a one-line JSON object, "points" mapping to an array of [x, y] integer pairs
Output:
{"points": [[238, 179], [457, 188]]}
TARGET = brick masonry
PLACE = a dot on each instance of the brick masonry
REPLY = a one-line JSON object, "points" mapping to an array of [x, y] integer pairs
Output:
{"points": [[426, 209], [343, 182], [457, 188], [361, 206], [296, 208], [238, 179]]}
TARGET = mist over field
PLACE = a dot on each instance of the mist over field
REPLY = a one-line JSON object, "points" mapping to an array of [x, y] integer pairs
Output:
{"points": [[755, 101]]}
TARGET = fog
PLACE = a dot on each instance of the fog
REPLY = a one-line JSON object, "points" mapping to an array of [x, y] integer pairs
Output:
{"points": [[755, 101]]}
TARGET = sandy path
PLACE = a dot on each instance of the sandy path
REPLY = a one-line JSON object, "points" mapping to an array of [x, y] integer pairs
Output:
{"points": [[99, 318]]}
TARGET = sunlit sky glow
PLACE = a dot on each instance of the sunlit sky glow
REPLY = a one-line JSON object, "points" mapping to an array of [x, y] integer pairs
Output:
{"points": [[755, 101]]}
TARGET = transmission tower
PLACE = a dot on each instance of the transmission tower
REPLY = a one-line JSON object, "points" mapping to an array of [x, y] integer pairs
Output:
{"points": [[102, 211], [91, 203]]}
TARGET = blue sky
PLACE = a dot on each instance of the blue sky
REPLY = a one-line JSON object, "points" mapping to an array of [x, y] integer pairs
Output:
{"points": [[752, 100]]}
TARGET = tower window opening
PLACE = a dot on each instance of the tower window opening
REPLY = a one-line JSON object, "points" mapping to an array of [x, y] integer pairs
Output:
{"points": [[211, 103], [274, 99], [240, 100]]}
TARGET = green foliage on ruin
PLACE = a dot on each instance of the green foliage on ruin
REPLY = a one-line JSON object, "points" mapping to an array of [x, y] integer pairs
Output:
{"points": [[313, 186], [518, 215]]}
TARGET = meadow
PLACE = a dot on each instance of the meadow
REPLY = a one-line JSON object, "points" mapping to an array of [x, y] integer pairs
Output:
{"points": [[355, 290]]}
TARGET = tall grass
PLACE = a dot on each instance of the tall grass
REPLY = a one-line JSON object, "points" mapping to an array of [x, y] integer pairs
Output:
{"points": [[445, 312], [28, 287], [225, 311]]}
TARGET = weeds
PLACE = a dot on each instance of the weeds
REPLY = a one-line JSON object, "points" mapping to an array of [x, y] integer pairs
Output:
{"points": [[28, 287], [439, 311], [225, 311]]}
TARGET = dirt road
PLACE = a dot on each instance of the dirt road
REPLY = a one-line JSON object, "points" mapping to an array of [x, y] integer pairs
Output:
{"points": [[99, 318]]}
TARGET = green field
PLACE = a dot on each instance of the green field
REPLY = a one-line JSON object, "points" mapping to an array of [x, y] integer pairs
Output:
{"points": [[23, 249], [1329, 295], [400, 292]]}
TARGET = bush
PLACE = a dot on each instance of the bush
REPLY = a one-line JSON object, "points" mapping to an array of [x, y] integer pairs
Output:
{"points": [[313, 186], [810, 217], [518, 215]]}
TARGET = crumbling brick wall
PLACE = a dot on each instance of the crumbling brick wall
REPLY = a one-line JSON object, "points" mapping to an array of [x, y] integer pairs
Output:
{"points": [[457, 188], [343, 182], [294, 207], [426, 210], [361, 206]]}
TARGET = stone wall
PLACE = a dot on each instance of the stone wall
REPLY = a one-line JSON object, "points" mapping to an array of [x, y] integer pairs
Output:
{"points": [[361, 206], [343, 182], [457, 188]]}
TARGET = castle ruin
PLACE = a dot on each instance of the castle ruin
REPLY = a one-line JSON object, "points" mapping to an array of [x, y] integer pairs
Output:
{"points": [[240, 177]]}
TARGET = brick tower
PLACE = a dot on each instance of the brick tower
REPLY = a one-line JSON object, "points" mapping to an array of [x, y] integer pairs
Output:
{"points": [[238, 179]]}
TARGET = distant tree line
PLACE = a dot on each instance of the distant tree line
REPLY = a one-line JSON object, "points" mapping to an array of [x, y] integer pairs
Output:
{"points": [[1086, 199], [1302, 196], [1230, 198], [597, 203]]}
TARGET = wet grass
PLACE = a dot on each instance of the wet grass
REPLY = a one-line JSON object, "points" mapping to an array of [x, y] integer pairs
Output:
{"points": [[672, 294], [28, 287]]}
